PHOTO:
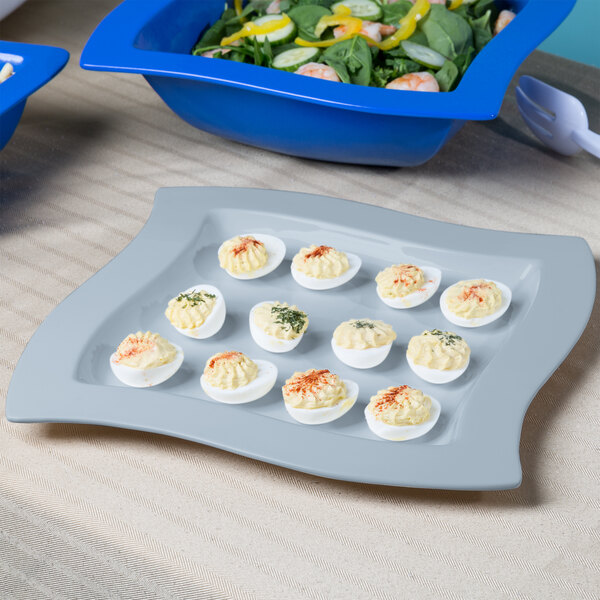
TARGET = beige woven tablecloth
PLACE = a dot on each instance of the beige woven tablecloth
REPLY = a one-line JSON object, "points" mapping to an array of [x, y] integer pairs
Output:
{"points": [[93, 512]]}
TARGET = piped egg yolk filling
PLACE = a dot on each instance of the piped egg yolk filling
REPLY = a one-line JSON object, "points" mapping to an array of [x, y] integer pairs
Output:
{"points": [[313, 389], [243, 254], [360, 334], [437, 349], [145, 351], [230, 370], [321, 262], [190, 310], [399, 280], [474, 298], [400, 406], [280, 320]]}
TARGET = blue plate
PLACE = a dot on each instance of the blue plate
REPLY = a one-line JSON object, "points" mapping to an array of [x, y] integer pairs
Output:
{"points": [[33, 67], [303, 116], [64, 374]]}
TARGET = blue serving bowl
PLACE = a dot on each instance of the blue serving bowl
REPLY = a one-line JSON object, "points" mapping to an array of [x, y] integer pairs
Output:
{"points": [[33, 67], [303, 116]]}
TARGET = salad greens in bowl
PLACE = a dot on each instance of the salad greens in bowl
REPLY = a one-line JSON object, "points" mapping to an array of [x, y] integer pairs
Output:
{"points": [[364, 42], [207, 62]]}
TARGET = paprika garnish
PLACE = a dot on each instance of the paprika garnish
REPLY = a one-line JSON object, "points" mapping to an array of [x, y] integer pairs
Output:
{"points": [[475, 292], [245, 242], [222, 356], [308, 383], [317, 252], [391, 397]]}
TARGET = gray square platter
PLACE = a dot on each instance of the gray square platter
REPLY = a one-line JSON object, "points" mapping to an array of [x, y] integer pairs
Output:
{"points": [[64, 374]]}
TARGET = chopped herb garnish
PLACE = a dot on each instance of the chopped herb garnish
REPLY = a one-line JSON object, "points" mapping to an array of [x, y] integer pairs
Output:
{"points": [[361, 324], [194, 298], [446, 337], [289, 318]]}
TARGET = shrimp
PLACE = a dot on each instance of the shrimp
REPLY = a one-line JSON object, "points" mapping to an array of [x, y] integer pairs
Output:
{"points": [[318, 70], [211, 53], [415, 82], [504, 18], [375, 31], [273, 8], [221, 51]]}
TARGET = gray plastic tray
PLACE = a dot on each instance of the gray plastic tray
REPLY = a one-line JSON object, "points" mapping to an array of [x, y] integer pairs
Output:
{"points": [[64, 375]]}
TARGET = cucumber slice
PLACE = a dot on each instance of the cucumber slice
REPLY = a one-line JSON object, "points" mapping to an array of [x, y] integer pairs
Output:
{"points": [[423, 55], [361, 9], [291, 60], [280, 36]]}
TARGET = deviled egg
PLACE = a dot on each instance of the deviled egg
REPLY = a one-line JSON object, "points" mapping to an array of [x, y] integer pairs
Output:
{"points": [[401, 413], [407, 286], [251, 255], [362, 343], [438, 356], [145, 359], [324, 267], [198, 312], [318, 396], [475, 302], [233, 378], [277, 326]]}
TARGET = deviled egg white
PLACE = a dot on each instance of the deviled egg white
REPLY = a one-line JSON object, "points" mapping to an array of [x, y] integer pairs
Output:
{"points": [[401, 413], [438, 356], [198, 312], [277, 326], [362, 343], [233, 378], [145, 359], [407, 286], [324, 267], [318, 396], [251, 255], [475, 302]]}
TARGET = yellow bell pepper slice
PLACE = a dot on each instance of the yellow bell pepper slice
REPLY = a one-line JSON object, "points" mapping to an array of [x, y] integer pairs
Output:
{"points": [[408, 24], [455, 4], [251, 28], [341, 16]]}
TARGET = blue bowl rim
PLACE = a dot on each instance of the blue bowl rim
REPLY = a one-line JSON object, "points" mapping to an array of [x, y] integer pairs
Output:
{"points": [[478, 96], [36, 65]]}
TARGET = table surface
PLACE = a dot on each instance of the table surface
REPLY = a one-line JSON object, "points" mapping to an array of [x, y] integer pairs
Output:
{"points": [[93, 512]]}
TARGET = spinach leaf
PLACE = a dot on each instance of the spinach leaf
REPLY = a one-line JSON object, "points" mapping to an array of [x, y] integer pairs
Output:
{"points": [[481, 7], [282, 48], [246, 11], [392, 13], [306, 18], [325, 3], [447, 33], [397, 52], [258, 6], [418, 37], [482, 30], [351, 59], [464, 60], [394, 68], [261, 53], [215, 33], [447, 76]]}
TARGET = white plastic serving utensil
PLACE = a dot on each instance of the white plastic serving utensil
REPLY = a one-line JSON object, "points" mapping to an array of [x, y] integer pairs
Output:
{"points": [[556, 118]]}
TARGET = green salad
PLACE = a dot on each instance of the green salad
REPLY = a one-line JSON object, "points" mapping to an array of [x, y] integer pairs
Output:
{"points": [[422, 45]]}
